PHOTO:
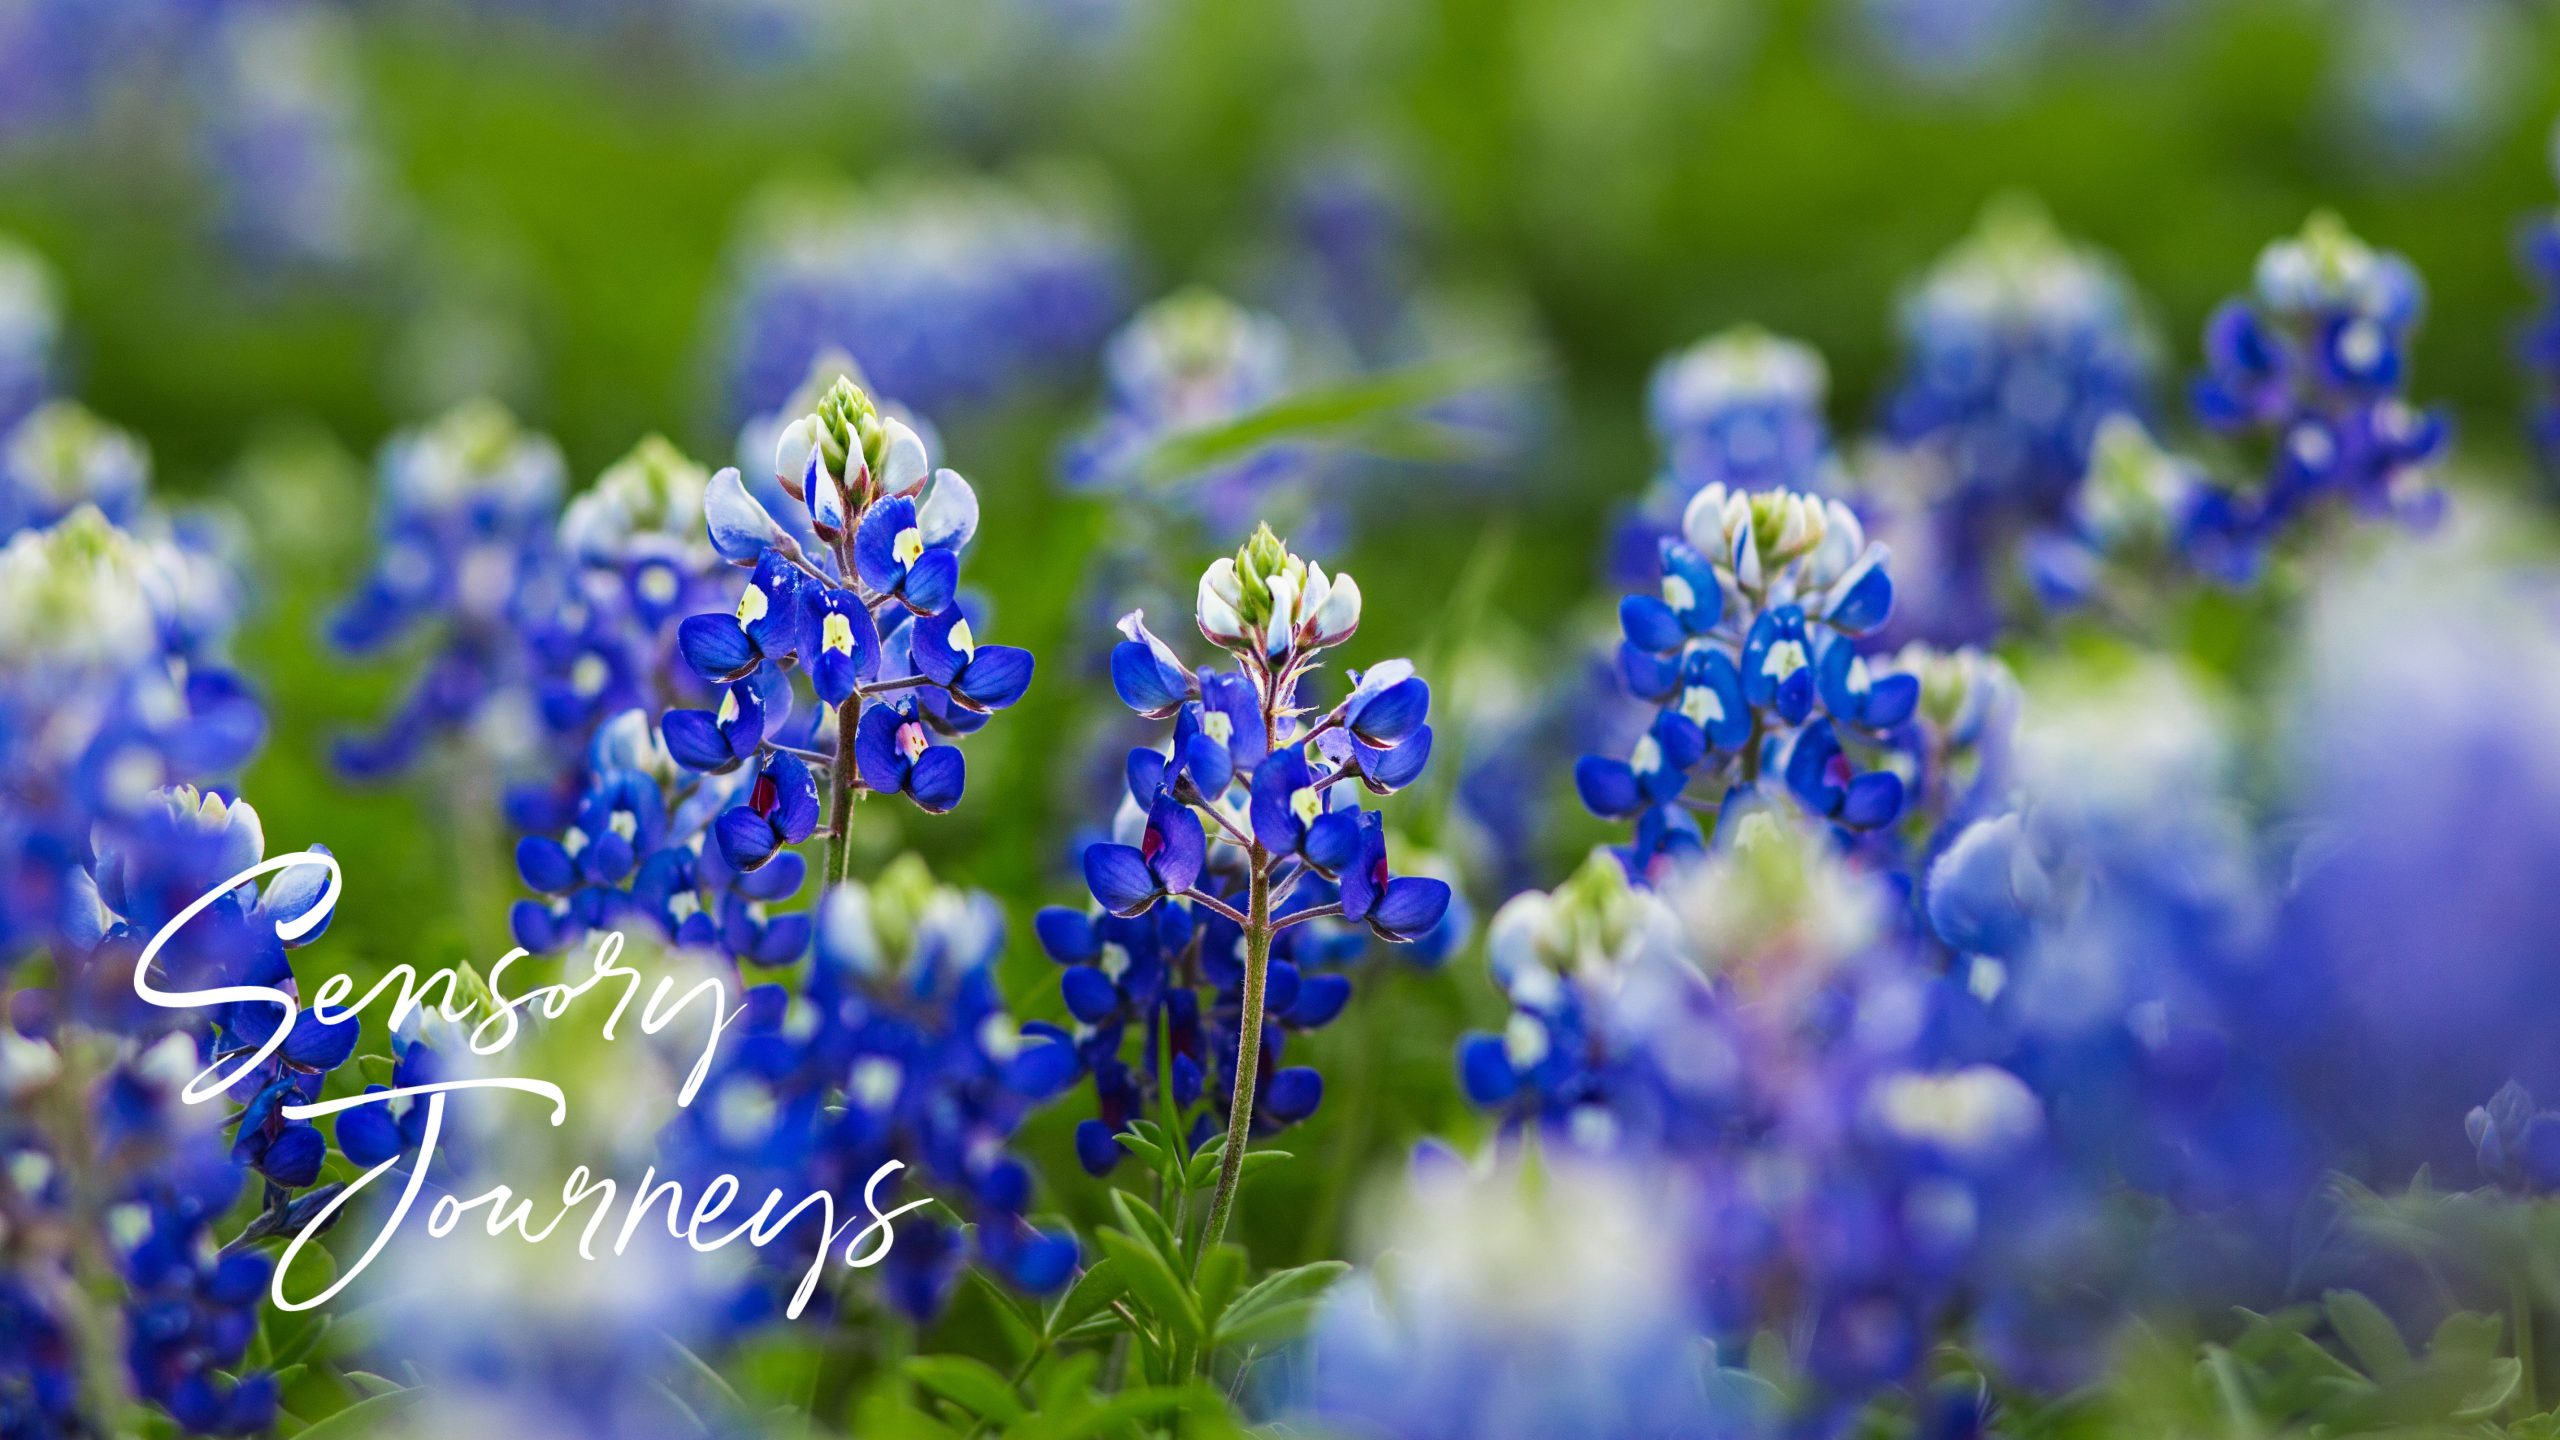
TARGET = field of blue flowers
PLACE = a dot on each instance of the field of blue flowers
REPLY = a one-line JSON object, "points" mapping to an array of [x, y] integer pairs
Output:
{"points": [[1352, 719]]}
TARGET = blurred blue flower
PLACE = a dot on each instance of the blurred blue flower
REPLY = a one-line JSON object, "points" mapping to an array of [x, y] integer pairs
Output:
{"points": [[2313, 363], [2018, 347], [946, 292]]}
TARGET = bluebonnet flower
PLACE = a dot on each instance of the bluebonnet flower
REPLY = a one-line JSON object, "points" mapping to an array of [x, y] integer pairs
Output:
{"points": [[651, 840], [113, 1147], [1206, 946], [858, 589], [2019, 347], [1524, 1306], [2313, 363], [1742, 409], [467, 536], [2517, 1141], [1186, 365], [280, 135], [111, 686], [895, 1046], [2424, 83], [947, 292], [30, 326], [60, 457], [1756, 1025], [1749, 651]]}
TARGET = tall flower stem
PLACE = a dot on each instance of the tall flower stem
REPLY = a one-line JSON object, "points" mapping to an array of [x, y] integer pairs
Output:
{"points": [[839, 852], [1257, 961]]}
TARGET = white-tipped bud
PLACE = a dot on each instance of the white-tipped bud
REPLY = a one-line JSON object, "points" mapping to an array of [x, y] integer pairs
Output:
{"points": [[791, 451], [902, 459], [1281, 630], [1215, 610], [1338, 614]]}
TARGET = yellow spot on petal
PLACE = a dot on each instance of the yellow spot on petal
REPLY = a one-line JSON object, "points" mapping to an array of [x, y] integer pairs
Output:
{"points": [[909, 546]]}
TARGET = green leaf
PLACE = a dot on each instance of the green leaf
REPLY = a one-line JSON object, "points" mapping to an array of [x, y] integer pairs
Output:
{"points": [[971, 1384], [1221, 1271], [2484, 1398], [1096, 1288], [2368, 1333], [1021, 1325], [1143, 1148], [1330, 409], [1153, 1283], [1269, 1323], [1257, 1160], [1279, 1289], [711, 1379], [364, 1418], [1141, 1220]]}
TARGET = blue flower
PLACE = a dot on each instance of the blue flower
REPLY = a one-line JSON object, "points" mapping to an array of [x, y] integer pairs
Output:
{"points": [[950, 293], [979, 678], [895, 754], [2312, 363], [1166, 861], [717, 741]]}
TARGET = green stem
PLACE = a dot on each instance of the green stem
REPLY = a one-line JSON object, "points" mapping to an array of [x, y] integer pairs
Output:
{"points": [[1257, 961], [838, 860]]}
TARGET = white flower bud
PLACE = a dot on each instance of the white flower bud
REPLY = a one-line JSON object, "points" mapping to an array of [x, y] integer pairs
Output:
{"points": [[1338, 614], [791, 451], [1215, 612], [1281, 629]]}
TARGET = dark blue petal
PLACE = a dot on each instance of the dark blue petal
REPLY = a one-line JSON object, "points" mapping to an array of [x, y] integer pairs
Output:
{"points": [[1293, 1094], [1410, 905], [1485, 1070], [1090, 995], [996, 677], [1144, 684], [1120, 879], [716, 646], [932, 581], [1608, 787], [1067, 935], [545, 865], [1096, 1149], [1651, 625], [746, 838], [695, 742], [937, 779]]}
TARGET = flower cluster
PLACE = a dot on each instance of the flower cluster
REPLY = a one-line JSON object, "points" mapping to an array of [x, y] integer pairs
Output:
{"points": [[545, 619], [946, 292], [1752, 1027], [894, 1045], [1742, 409], [282, 136], [465, 556], [860, 594], [2313, 362], [1186, 365], [1749, 652], [2018, 347], [109, 1167], [261, 100], [1206, 949]]}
